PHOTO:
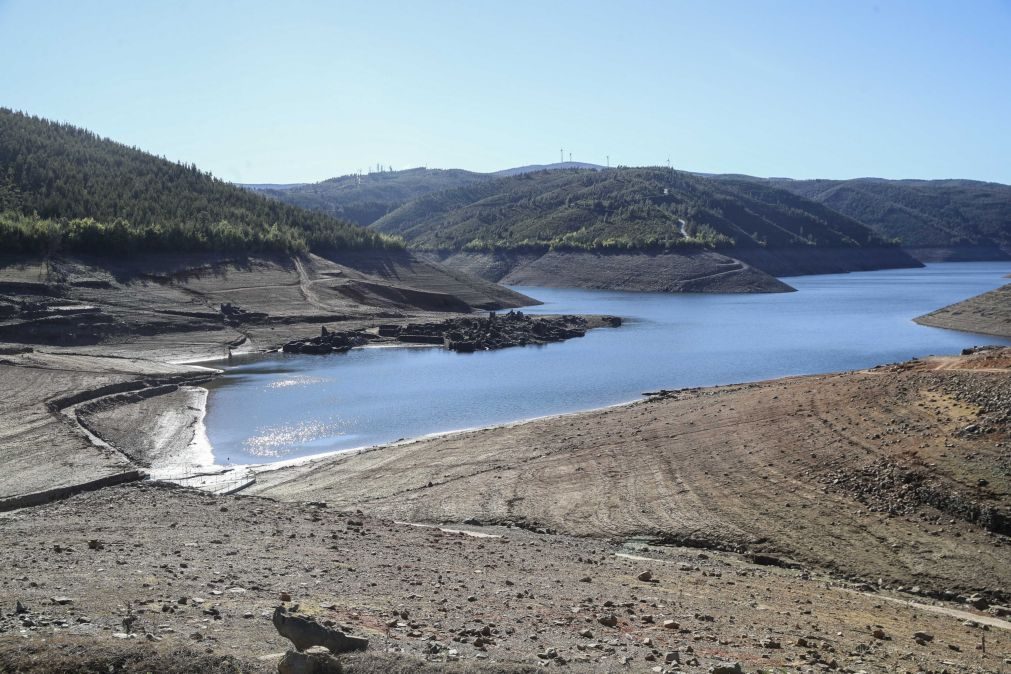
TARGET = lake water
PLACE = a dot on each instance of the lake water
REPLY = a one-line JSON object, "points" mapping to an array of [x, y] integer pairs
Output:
{"points": [[279, 407]]}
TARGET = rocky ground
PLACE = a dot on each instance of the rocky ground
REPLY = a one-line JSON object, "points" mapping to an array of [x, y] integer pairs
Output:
{"points": [[146, 567], [464, 335]]}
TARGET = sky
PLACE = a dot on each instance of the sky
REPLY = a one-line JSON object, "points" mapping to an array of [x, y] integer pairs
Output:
{"points": [[300, 91]]}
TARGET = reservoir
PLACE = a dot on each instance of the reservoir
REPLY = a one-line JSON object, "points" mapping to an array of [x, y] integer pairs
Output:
{"points": [[278, 407]]}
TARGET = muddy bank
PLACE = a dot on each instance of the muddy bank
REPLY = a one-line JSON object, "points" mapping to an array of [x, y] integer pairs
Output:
{"points": [[159, 428], [778, 468], [987, 314], [646, 272]]}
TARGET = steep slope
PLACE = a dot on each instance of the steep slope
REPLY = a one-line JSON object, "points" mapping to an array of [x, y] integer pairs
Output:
{"points": [[363, 199], [933, 219], [64, 189], [619, 215], [987, 314]]}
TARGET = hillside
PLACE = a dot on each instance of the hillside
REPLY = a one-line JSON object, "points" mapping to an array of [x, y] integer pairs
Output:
{"points": [[645, 229], [619, 209], [65, 189], [934, 219], [363, 199]]}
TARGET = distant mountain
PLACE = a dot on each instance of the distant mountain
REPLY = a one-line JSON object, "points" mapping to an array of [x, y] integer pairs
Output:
{"points": [[366, 198], [256, 187], [935, 219], [65, 189], [363, 199], [547, 167], [620, 209]]}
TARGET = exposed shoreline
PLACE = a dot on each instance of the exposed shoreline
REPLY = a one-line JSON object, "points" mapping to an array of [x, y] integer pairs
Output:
{"points": [[703, 488]]}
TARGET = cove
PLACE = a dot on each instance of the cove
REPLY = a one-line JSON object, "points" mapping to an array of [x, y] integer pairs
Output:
{"points": [[280, 407]]}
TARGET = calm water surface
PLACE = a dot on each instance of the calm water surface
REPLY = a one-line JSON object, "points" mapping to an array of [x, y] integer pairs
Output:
{"points": [[279, 407]]}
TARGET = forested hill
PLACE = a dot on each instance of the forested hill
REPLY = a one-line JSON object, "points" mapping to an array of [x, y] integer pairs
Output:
{"points": [[65, 189], [363, 199], [620, 209], [919, 213]]}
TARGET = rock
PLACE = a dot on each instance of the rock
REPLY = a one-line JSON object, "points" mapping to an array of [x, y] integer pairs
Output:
{"points": [[285, 596], [923, 636], [645, 576], [19, 607], [879, 633], [294, 662], [672, 657], [978, 602], [771, 643], [305, 633], [465, 335], [95, 544], [608, 620], [586, 634], [62, 601], [726, 668], [670, 625]]}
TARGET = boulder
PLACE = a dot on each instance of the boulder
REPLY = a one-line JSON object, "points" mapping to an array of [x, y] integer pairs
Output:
{"points": [[295, 662], [305, 633]]}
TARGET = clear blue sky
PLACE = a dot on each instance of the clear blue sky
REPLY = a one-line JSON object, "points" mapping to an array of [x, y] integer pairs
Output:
{"points": [[301, 91]]}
